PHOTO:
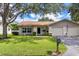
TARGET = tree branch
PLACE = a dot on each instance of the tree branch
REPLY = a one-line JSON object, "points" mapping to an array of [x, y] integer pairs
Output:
{"points": [[13, 18]]}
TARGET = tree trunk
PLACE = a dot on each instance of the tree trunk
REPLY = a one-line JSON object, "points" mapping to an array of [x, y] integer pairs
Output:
{"points": [[4, 28], [4, 19], [4, 31]]}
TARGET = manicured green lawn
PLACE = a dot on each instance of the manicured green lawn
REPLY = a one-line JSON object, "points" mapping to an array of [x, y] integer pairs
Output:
{"points": [[29, 45]]}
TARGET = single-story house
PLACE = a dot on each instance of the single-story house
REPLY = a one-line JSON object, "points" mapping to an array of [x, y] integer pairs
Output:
{"points": [[34, 27], [59, 28]]}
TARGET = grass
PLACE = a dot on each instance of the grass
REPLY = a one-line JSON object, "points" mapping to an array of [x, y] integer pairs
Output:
{"points": [[29, 46]]}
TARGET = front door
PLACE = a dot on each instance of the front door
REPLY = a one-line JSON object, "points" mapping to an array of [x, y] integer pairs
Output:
{"points": [[38, 31]]}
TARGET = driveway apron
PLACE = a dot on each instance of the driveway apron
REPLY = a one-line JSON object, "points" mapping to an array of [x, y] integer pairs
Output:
{"points": [[72, 44]]}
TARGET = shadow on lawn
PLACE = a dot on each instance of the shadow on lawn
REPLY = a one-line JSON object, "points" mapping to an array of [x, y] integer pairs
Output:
{"points": [[18, 40]]}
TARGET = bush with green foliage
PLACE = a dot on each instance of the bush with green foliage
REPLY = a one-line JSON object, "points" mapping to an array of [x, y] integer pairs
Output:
{"points": [[34, 33], [14, 26]]}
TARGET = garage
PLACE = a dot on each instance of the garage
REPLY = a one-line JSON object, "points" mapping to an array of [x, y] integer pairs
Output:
{"points": [[64, 28]]}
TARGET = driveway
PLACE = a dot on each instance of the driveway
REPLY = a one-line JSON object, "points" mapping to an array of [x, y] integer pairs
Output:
{"points": [[70, 41], [72, 44]]}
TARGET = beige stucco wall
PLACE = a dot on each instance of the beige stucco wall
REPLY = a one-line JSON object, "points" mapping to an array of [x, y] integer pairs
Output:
{"points": [[64, 23], [34, 29], [20, 31], [60, 29]]}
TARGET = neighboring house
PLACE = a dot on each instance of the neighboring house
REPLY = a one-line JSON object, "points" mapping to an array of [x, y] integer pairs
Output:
{"points": [[1, 28], [59, 28]]}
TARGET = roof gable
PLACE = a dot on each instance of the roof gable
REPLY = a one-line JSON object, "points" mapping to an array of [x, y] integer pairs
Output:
{"points": [[66, 21]]}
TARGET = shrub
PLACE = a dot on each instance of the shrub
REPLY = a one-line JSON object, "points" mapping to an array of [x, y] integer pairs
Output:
{"points": [[34, 33], [15, 33], [46, 34]]}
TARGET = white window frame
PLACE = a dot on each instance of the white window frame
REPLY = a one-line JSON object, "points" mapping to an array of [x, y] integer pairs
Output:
{"points": [[26, 29]]}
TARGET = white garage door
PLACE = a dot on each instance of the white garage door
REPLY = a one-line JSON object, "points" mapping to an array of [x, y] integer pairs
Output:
{"points": [[73, 32], [65, 31], [57, 31]]}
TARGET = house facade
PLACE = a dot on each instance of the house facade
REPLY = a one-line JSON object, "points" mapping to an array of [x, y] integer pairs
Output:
{"points": [[59, 28], [34, 28]]}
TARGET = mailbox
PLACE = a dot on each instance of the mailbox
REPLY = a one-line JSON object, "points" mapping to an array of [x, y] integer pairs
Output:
{"points": [[58, 40]]}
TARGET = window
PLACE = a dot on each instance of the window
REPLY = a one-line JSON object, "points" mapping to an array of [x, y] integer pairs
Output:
{"points": [[24, 30], [8, 29], [27, 30], [44, 30]]}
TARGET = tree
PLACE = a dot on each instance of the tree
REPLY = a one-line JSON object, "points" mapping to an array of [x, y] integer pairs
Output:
{"points": [[14, 26], [45, 19], [9, 12], [74, 11]]}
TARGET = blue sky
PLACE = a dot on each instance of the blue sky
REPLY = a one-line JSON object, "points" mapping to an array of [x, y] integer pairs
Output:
{"points": [[62, 15]]}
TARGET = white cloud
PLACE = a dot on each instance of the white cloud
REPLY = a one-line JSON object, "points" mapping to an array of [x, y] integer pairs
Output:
{"points": [[33, 15], [52, 16], [59, 15], [25, 19], [68, 16]]}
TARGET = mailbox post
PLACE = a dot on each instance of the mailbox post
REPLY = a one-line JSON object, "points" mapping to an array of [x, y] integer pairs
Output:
{"points": [[58, 42]]}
